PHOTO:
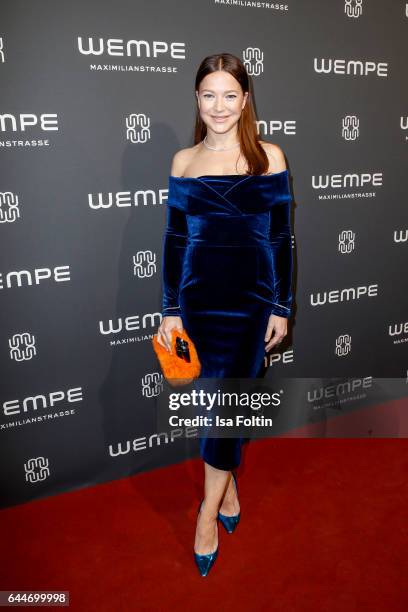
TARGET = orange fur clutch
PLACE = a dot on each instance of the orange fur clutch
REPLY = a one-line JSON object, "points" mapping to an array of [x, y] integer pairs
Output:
{"points": [[182, 365]]}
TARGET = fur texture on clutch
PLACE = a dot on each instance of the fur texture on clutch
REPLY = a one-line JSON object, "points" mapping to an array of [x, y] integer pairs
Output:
{"points": [[176, 370]]}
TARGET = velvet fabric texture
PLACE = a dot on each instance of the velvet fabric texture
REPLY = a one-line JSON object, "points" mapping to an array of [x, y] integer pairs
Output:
{"points": [[227, 266]]}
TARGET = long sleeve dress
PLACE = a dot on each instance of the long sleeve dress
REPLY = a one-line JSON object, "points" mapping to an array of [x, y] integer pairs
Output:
{"points": [[226, 267]]}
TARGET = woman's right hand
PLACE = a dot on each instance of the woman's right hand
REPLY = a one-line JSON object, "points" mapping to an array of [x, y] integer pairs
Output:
{"points": [[164, 331]]}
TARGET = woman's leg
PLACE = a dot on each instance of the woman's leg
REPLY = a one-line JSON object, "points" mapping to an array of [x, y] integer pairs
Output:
{"points": [[230, 502], [215, 485]]}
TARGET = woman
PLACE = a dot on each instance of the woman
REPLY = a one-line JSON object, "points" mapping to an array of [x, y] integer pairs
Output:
{"points": [[229, 190]]}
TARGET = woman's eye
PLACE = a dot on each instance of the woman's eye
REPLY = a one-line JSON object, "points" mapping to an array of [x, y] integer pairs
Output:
{"points": [[230, 96]]}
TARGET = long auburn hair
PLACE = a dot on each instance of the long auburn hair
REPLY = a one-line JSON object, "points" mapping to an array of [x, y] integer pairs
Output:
{"points": [[252, 150]]}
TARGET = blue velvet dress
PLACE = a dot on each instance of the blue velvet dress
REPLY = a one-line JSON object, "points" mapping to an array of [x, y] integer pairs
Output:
{"points": [[226, 267]]}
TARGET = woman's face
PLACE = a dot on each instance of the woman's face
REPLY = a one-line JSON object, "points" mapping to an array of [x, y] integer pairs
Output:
{"points": [[220, 100]]}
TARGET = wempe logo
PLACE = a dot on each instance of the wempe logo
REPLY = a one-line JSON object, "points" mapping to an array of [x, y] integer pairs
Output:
{"points": [[276, 126], [350, 67], [355, 179], [22, 122], [49, 400], [401, 235], [343, 295], [24, 278], [118, 47], [125, 199], [156, 439], [400, 331], [146, 324]]}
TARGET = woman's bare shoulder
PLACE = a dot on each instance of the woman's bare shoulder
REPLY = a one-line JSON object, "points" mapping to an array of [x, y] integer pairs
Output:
{"points": [[276, 157], [181, 160]]}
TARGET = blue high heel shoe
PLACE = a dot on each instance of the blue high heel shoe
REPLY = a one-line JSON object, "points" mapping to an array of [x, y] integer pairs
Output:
{"points": [[230, 522], [205, 562]]}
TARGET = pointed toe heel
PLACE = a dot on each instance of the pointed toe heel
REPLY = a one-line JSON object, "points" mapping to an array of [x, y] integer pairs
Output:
{"points": [[204, 562], [230, 522]]}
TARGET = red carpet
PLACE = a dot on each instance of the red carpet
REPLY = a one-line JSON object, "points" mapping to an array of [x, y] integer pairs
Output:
{"points": [[323, 528]]}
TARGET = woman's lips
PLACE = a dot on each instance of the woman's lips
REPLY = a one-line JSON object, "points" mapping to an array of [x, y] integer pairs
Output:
{"points": [[220, 119]]}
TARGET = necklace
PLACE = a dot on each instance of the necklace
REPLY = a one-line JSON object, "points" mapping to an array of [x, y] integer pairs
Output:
{"points": [[221, 148]]}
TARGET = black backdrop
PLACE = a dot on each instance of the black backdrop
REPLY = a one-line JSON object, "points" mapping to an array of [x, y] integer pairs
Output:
{"points": [[96, 97]]}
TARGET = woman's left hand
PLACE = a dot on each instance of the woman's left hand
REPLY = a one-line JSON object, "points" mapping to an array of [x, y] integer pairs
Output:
{"points": [[279, 327]]}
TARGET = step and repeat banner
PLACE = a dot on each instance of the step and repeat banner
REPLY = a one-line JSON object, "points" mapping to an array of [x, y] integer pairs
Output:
{"points": [[96, 97]]}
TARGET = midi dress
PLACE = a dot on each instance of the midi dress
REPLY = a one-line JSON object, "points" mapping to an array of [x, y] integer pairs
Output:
{"points": [[226, 267]]}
